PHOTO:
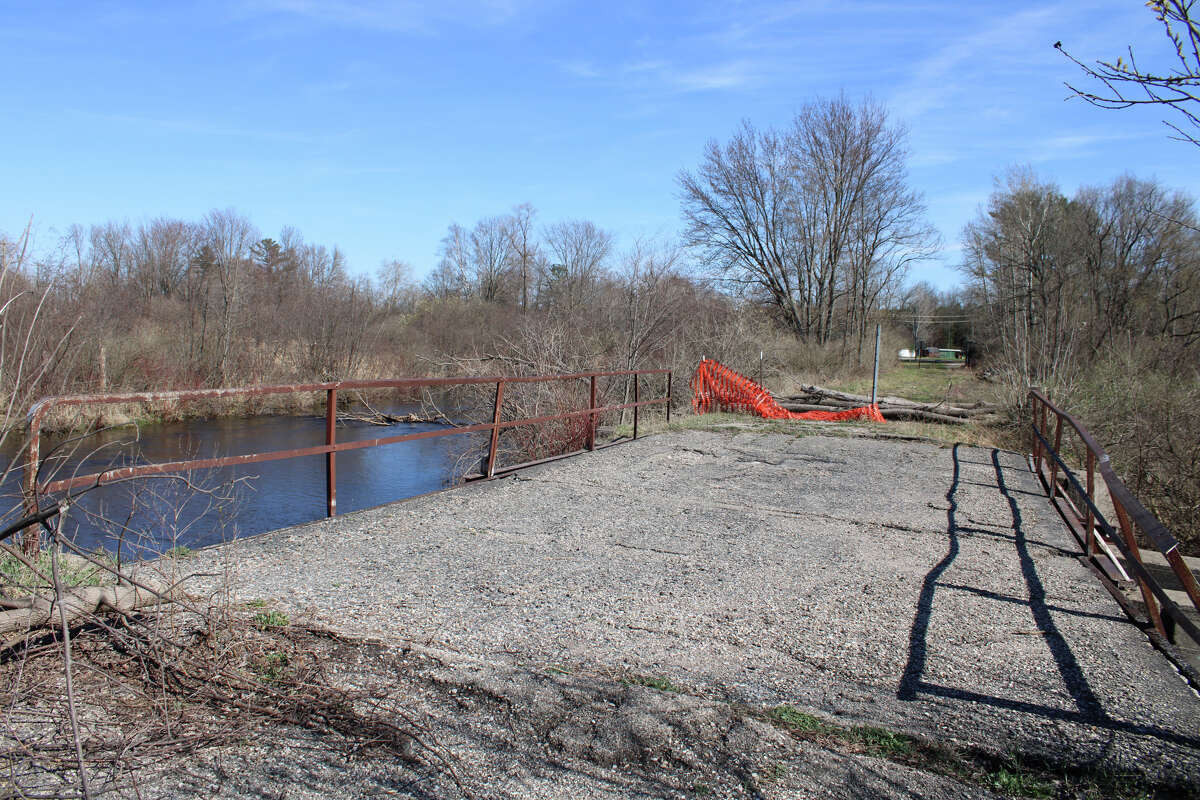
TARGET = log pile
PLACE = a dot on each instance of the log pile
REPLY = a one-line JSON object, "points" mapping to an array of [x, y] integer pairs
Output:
{"points": [[818, 398]]}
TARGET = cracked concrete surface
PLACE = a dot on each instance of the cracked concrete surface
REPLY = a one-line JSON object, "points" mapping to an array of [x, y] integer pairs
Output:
{"points": [[928, 589]]}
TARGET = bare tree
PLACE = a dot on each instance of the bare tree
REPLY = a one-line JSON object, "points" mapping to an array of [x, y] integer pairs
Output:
{"points": [[450, 277], [162, 251], [579, 249], [112, 250], [1021, 261], [228, 236], [396, 287], [524, 249], [34, 342], [1062, 279], [1126, 84], [859, 222], [737, 208], [491, 256], [818, 220]]}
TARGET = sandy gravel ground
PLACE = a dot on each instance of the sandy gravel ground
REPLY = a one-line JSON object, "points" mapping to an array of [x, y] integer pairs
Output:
{"points": [[927, 589]]}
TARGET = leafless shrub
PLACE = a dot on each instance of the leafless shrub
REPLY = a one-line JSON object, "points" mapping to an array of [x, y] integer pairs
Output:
{"points": [[1148, 420]]}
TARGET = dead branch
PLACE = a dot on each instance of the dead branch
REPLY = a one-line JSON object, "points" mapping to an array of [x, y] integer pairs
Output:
{"points": [[374, 416]]}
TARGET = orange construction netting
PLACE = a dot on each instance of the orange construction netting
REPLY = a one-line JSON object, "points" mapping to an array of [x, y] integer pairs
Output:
{"points": [[715, 387]]}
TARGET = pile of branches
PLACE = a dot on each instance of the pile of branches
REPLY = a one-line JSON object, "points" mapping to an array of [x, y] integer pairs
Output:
{"points": [[817, 398], [102, 685]]}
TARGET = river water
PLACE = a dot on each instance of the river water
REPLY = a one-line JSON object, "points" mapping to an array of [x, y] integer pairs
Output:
{"points": [[148, 516]]}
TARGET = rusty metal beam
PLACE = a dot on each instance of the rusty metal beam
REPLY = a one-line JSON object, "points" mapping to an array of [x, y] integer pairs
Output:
{"points": [[1131, 515], [331, 456]]}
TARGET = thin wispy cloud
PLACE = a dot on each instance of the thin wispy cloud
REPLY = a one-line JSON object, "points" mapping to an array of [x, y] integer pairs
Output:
{"points": [[1073, 146], [207, 128], [733, 75], [581, 69], [973, 63], [402, 16], [668, 76]]}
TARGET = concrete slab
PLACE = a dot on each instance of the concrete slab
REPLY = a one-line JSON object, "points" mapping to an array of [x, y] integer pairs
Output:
{"points": [[928, 589]]}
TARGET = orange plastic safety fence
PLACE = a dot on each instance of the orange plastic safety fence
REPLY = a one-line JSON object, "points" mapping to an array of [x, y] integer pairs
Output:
{"points": [[715, 387]]}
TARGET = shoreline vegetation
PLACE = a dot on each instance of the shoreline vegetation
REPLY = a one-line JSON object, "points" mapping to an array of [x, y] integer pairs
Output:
{"points": [[85, 419]]}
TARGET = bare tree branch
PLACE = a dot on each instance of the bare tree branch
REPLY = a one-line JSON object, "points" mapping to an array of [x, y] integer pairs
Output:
{"points": [[1129, 85]]}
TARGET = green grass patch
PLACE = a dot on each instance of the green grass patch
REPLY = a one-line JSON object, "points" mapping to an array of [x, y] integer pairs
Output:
{"points": [[795, 719], [21, 581], [876, 741], [776, 772], [1011, 775], [181, 551], [659, 682], [265, 620], [924, 385], [880, 741], [1019, 783], [258, 602]]}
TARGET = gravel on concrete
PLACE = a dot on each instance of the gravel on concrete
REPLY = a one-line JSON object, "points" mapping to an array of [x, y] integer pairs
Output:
{"points": [[928, 589]]}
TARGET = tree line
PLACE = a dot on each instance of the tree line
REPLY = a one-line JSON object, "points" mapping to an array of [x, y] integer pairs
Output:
{"points": [[171, 303]]}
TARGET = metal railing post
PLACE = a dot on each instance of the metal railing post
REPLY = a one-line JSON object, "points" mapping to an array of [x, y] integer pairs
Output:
{"points": [[1147, 595], [1090, 517], [1042, 412], [31, 468], [331, 458], [31, 537], [636, 398], [495, 441], [669, 374], [1057, 452], [591, 439], [1035, 406]]}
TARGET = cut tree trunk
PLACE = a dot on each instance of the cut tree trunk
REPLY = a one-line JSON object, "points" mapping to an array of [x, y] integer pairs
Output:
{"points": [[915, 414], [82, 602]]}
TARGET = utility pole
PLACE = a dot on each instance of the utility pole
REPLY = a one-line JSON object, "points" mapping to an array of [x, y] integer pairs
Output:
{"points": [[875, 376]]}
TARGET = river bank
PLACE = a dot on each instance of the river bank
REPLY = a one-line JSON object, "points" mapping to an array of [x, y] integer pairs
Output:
{"points": [[87, 418]]}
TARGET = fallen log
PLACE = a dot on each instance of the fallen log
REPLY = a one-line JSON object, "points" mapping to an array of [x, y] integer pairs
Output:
{"points": [[82, 602], [382, 418], [890, 399], [910, 414], [818, 395], [919, 415], [933, 408], [811, 407]]}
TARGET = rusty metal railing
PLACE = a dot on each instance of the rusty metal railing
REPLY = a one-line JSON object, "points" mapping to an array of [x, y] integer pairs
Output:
{"points": [[1095, 533], [33, 488]]}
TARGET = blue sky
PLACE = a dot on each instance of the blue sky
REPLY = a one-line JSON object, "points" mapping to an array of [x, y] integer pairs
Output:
{"points": [[373, 125]]}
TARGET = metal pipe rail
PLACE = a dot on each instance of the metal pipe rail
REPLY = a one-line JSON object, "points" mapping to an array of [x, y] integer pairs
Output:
{"points": [[1131, 515], [33, 488]]}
